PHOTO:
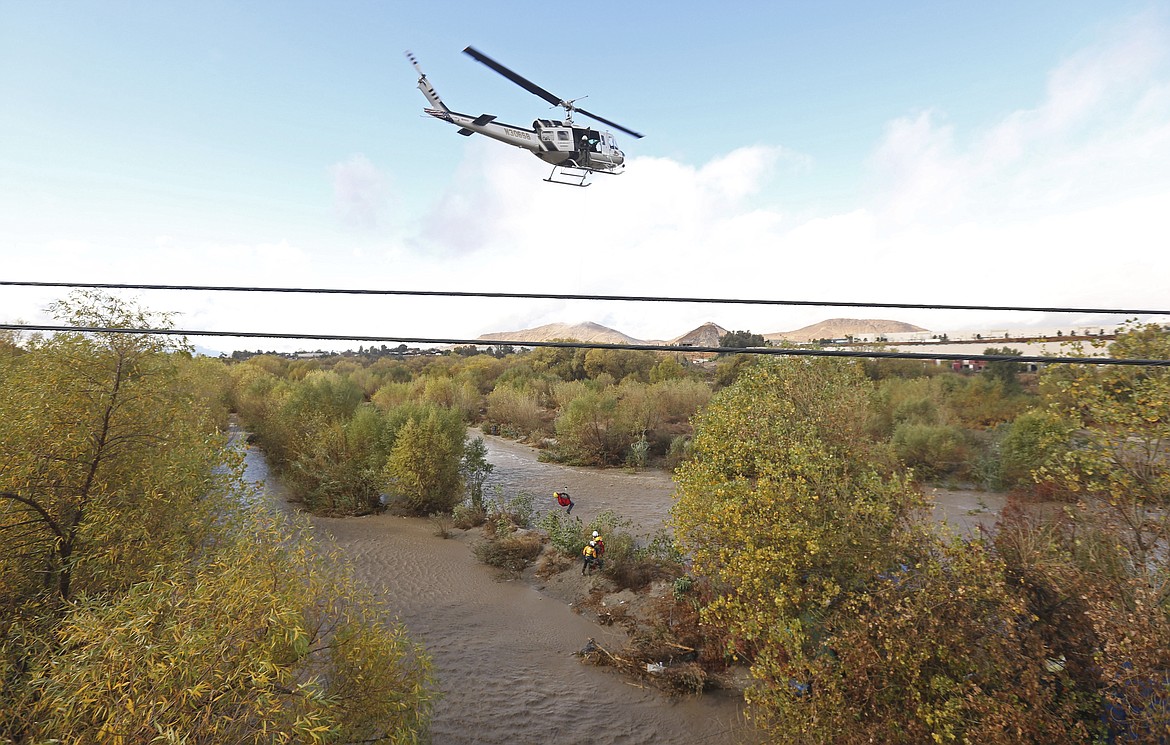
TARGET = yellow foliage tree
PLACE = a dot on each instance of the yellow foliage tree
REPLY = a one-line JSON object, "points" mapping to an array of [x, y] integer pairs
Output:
{"points": [[861, 624], [109, 455], [139, 600], [423, 468], [264, 640]]}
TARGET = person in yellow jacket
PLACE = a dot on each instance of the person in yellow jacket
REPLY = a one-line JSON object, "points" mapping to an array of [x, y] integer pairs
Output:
{"points": [[589, 558], [599, 546]]}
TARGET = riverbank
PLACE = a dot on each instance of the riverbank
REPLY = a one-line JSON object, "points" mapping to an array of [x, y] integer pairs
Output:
{"points": [[505, 651]]}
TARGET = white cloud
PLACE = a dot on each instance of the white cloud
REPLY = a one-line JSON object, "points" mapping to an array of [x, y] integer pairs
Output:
{"points": [[1060, 204], [1064, 203], [359, 192], [1101, 132]]}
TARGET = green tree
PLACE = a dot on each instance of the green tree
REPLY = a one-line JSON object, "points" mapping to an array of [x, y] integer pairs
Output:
{"points": [[1118, 458], [619, 364], [589, 430], [323, 395], [860, 624], [422, 471], [475, 469], [140, 598], [481, 371], [941, 649], [107, 457], [669, 367], [1006, 372], [931, 449], [517, 410], [741, 340], [980, 401], [336, 469], [565, 363], [452, 394], [730, 367], [788, 505], [1036, 437], [783, 484]]}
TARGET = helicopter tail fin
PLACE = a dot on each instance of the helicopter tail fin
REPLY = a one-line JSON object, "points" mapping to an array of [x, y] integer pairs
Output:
{"points": [[479, 121], [425, 86]]}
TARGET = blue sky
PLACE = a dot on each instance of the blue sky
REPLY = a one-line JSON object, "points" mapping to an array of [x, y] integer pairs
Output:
{"points": [[968, 153]]}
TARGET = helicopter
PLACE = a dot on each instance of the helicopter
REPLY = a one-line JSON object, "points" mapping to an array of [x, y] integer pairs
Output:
{"points": [[575, 151]]}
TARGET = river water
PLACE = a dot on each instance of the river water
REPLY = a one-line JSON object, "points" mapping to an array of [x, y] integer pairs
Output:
{"points": [[504, 650]]}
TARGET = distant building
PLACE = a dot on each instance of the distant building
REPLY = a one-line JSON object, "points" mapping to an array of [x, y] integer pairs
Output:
{"points": [[968, 365]]}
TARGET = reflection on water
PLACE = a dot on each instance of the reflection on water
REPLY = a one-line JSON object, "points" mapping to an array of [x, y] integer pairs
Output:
{"points": [[262, 485]]}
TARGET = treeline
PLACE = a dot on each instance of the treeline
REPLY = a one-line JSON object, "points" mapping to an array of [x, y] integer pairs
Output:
{"points": [[347, 436], [144, 595], [602, 407]]}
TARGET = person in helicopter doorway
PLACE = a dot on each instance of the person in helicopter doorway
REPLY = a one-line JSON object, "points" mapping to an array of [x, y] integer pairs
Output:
{"points": [[583, 152], [589, 558], [564, 500], [598, 544]]}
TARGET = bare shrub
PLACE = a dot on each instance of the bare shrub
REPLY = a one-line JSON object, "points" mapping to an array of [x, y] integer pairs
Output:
{"points": [[466, 516], [442, 523], [553, 562], [512, 552], [516, 410]]}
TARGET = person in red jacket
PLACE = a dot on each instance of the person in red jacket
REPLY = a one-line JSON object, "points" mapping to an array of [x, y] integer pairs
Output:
{"points": [[564, 500]]}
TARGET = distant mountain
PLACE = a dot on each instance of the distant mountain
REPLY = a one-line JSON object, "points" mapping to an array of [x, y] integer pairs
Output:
{"points": [[587, 332], [707, 335], [839, 328]]}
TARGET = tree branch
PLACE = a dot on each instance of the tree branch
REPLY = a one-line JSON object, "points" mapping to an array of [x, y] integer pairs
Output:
{"points": [[37, 508]]}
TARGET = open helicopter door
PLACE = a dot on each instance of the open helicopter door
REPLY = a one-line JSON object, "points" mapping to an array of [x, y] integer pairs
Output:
{"points": [[598, 151]]}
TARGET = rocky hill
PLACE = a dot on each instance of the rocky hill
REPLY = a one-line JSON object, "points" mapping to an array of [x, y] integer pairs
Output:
{"points": [[707, 335], [587, 332], [839, 328]]}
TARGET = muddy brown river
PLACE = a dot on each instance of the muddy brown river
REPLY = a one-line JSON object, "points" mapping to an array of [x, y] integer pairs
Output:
{"points": [[503, 650]]}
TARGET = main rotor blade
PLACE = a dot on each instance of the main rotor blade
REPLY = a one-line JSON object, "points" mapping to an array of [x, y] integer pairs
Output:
{"points": [[524, 83], [615, 125]]}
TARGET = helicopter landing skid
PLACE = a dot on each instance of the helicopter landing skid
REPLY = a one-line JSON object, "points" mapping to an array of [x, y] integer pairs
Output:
{"points": [[569, 176]]}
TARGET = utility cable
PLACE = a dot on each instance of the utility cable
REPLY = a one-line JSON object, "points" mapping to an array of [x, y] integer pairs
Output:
{"points": [[562, 296], [769, 351]]}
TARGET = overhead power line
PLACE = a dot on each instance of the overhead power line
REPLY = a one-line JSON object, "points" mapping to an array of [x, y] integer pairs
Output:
{"points": [[563, 296], [768, 351]]}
